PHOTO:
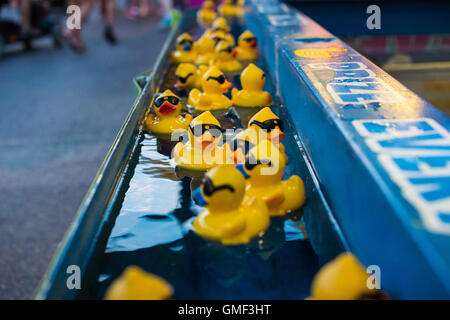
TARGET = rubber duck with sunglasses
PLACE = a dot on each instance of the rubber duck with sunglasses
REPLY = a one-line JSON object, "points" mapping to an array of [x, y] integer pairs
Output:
{"points": [[214, 85], [247, 48], [224, 59], [167, 117], [203, 146], [228, 217], [185, 51]]}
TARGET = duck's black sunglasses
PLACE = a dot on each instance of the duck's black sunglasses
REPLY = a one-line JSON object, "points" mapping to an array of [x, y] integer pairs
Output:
{"points": [[184, 79], [251, 162], [199, 129], [249, 39], [220, 79], [209, 188], [269, 125], [244, 145], [172, 100], [184, 41]]}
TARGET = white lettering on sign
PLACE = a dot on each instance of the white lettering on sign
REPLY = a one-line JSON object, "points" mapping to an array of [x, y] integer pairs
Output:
{"points": [[355, 83], [416, 155]]}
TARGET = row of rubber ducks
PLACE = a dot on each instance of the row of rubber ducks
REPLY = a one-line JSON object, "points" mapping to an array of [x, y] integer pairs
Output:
{"points": [[229, 9], [216, 47], [344, 278]]}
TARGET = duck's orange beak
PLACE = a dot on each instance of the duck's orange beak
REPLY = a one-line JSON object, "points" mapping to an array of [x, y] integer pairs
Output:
{"points": [[206, 139], [275, 136], [238, 156], [226, 86]]}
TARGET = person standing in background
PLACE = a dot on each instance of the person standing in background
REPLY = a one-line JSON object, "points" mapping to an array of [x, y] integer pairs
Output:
{"points": [[107, 8]]}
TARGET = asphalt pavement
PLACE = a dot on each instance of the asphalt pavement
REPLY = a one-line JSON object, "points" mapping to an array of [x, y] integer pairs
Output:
{"points": [[59, 114]]}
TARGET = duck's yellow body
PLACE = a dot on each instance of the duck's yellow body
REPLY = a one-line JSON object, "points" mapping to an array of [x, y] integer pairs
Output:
{"points": [[252, 94], [224, 59], [247, 48], [206, 14], [206, 50], [203, 149], [228, 217], [214, 85], [344, 278], [167, 117], [264, 168], [185, 51], [136, 284]]}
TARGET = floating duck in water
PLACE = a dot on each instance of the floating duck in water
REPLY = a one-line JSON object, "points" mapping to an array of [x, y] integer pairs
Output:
{"points": [[136, 284], [264, 167], [207, 13], [184, 49], [247, 47], [224, 59], [206, 50], [229, 9], [344, 278], [228, 218], [203, 148], [189, 76], [214, 85], [252, 94], [218, 36], [167, 117]]}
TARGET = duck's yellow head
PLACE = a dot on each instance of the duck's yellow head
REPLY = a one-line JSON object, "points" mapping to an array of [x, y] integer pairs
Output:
{"points": [[184, 42], [214, 81], [205, 45], [136, 284], [222, 189], [218, 36], [205, 131], [220, 24], [186, 74], [242, 143], [344, 278], [253, 78], [208, 5], [247, 40], [270, 124], [264, 164], [167, 104], [224, 50]]}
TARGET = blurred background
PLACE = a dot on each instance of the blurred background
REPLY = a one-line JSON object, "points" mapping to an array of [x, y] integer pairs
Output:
{"points": [[64, 96]]}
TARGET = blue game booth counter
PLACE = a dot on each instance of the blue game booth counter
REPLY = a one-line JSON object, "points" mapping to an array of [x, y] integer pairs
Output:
{"points": [[373, 154]]}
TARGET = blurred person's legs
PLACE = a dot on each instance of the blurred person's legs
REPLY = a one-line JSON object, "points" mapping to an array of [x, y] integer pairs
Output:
{"points": [[74, 35], [107, 11]]}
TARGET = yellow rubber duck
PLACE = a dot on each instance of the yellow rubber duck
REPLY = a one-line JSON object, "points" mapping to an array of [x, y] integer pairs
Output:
{"points": [[247, 47], [344, 278], [189, 76], [228, 9], [184, 49], [228, 218], [136, 284], [221, 24], [203, 148], [206, 50], [268, 126], [167, 117], [207, 13], [252, 94], [263, 168], [224, 59], [214, 85]]}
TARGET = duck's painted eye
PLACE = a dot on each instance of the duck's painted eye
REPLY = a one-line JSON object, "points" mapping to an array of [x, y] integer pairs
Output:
{"points": [[263, 76], [172, 100], [251, 162], [199, 129], [184, 79], [270, 124], [209, 188], [220, 79]]}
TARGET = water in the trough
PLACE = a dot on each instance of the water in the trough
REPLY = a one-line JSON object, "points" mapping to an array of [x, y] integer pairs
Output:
{"points": [[152, 231]]}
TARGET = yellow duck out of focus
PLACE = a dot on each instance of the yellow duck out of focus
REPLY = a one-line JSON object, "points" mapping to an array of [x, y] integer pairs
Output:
{"points": [[220, 35], [214, 85], [230, 10], [203, 148], [224, 59], [185, 51], [344, 278], [167, 117], [264, 168], [136, 284], [207, 13], [247, 48], [206, 50], [228, 218], [252, 94], [189, 76]]}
